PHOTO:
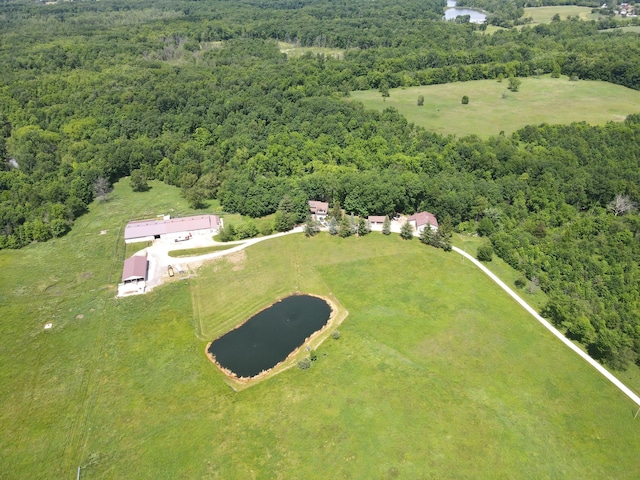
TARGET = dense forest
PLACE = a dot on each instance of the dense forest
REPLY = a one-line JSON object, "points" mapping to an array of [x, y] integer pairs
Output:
{"points": [[198, 95]]}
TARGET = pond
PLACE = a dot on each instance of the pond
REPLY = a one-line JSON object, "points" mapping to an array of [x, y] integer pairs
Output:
{"points": [[270, 336], [452, 12]]}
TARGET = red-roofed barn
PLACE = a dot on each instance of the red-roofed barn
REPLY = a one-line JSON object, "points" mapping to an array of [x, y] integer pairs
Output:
{"points": [[135, 269], [171, 228]]}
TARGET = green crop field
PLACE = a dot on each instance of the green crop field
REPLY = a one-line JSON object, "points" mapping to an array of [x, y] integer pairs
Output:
{"points": [[545, 14], [492, 108], [436, 374]]}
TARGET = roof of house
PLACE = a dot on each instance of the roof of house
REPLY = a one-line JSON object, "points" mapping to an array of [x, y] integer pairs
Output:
{"points": [[376, 218], [422, 218], [151, 228], [135, 268], [318, 207]]}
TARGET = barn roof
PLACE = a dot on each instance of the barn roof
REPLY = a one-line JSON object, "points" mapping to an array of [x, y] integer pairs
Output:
{"points": [[151, 228], [376, 218], [135, 268]]}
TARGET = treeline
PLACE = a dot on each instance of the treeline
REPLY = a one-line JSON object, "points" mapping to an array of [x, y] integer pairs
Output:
{"points": [[197, 94]]}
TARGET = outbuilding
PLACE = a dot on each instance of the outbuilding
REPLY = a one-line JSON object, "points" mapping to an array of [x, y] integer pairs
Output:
{"points": [[176, 229], [135, 269], [376, 221], [134, 276]]}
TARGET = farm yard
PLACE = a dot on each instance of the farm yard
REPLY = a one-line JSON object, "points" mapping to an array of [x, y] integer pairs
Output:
{"points": [[149, 154], [436, 372]]}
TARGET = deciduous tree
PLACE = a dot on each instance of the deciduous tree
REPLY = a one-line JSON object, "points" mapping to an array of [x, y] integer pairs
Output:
{"points": [[138, 181], [102, 188], [485, 253], [514, 84], [620, 205]]}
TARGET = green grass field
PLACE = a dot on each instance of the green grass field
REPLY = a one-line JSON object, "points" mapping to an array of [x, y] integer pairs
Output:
{"points": [[190, 252], [539, 100], [545, 14], [437, 374], [295, 51], [630, 29]]}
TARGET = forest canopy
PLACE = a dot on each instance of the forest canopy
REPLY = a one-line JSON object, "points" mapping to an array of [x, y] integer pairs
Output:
{"points": [[198, 95]]}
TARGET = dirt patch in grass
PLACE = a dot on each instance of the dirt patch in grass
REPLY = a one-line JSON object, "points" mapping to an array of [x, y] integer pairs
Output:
{"points": [[54, 289], [238, 260]]}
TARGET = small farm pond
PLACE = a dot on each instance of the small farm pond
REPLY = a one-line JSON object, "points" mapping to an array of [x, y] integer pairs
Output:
{"points": [[270, 336], [451, 12]]}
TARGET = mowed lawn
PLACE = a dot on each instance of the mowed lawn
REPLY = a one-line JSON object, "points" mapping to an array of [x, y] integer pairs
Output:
{"points": [[493, 108], [437, 373]]}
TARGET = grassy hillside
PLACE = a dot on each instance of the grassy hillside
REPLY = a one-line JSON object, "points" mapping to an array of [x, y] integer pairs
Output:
{"points": [[492, 108], [437, 373]]}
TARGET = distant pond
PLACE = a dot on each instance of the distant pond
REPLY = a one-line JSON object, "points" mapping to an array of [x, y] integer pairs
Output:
{"points": [[452, 12], [270, 336]]}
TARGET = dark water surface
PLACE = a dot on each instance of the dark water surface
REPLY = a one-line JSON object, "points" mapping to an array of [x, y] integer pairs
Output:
{"points": [[270, 336]]}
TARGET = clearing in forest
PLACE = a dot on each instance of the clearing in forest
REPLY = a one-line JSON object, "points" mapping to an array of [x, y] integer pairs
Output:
{"points": [[546, 14], [493, 108], [293, 50]]}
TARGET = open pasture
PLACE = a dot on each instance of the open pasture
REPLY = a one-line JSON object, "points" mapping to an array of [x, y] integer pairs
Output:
{"points": [[546, 14], [630, 29], [493, 108], [436, 374]]}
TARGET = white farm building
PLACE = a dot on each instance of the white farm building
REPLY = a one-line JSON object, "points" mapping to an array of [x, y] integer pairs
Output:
{"points": [[175, 229]]}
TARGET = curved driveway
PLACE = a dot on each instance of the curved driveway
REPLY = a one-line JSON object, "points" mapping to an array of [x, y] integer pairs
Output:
{"points": [[626, 390], [159, 260]]}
